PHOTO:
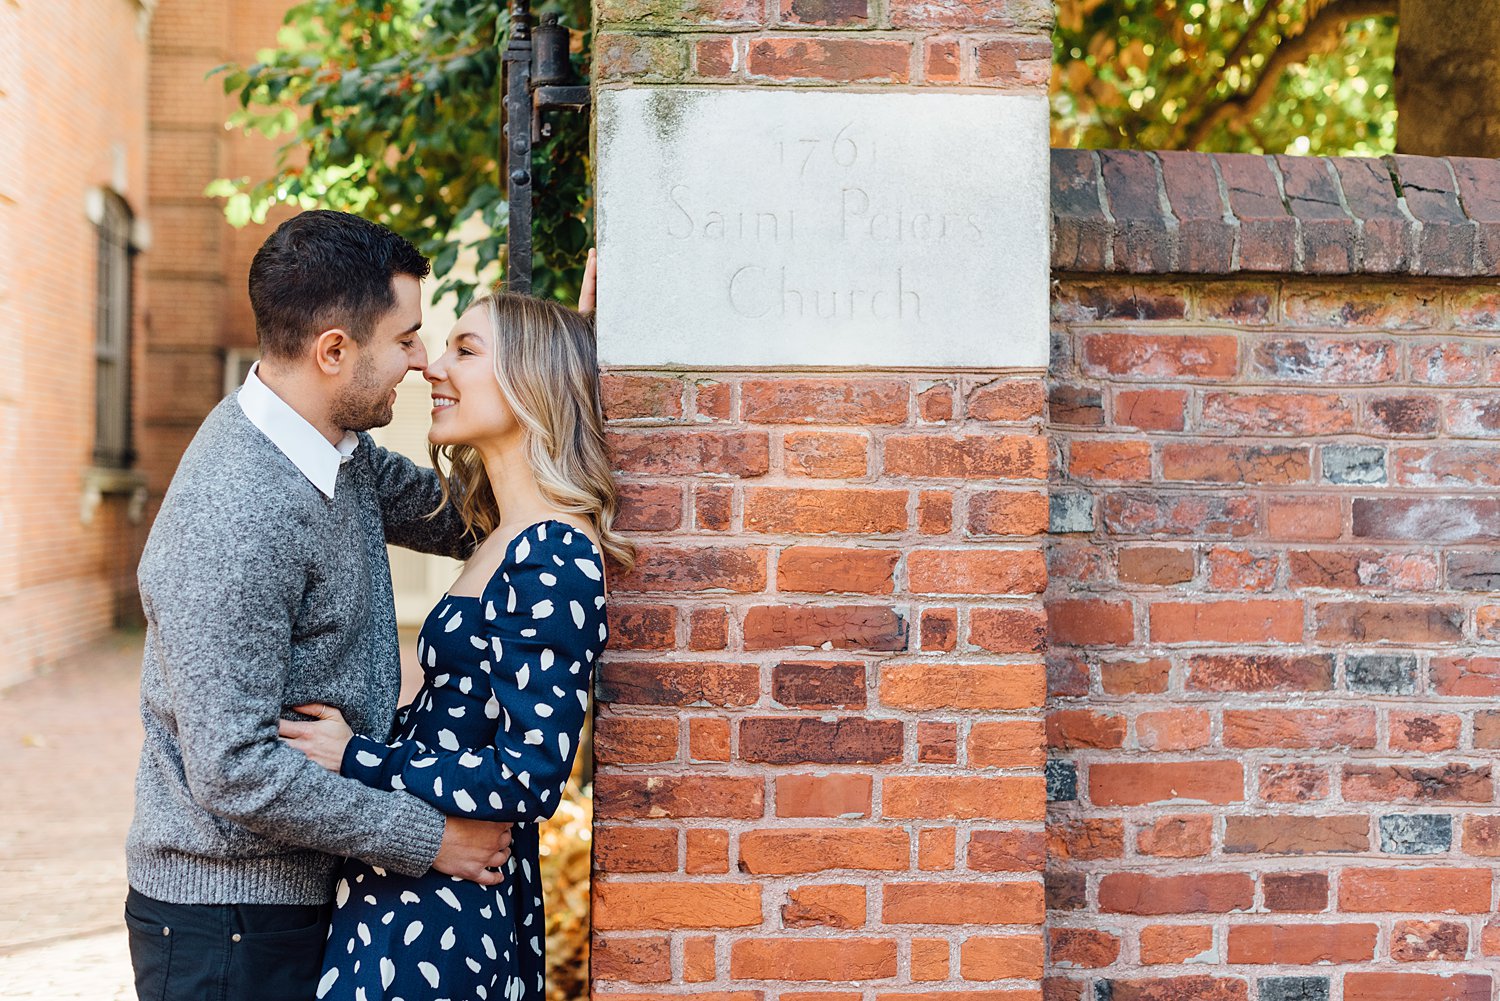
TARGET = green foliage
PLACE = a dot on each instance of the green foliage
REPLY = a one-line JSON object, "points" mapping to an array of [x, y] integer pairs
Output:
{"points": [[1204, 74], [391, 109]]}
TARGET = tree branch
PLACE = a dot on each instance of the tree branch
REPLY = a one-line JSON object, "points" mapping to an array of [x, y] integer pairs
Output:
{"points": [[1320, 33]]}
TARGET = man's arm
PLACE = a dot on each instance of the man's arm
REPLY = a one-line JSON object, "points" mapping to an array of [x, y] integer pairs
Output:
{"points": [[223, 623], [409, 493]]}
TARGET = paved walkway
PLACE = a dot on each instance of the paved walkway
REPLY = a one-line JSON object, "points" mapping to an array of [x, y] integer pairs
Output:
{"points": [[69, 741]]}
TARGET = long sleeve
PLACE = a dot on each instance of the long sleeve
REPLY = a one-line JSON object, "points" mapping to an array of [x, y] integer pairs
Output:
{"points": [[542, 618], [222, 624], [408, 494]]}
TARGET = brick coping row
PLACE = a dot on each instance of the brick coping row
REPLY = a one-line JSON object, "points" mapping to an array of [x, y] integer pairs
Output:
{"points": [[1173, 212]]}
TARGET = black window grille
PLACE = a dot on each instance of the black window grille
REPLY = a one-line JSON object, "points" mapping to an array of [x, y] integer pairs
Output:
{"points": [[113, 448]]}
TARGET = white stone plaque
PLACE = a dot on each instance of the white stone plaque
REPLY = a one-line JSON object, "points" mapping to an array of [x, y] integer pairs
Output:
{"points": [[786, 228]]}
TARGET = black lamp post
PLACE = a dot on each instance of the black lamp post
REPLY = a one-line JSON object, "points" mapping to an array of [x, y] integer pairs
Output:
{"points": [[538, 78]]}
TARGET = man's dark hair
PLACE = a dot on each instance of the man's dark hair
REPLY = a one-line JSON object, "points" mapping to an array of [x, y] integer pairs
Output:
{"points": [[326, 269]]}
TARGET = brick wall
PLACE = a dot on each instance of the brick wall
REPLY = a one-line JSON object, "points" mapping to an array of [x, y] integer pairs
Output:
{"points": [[819, 734], [1273, 634], [72, 119]]}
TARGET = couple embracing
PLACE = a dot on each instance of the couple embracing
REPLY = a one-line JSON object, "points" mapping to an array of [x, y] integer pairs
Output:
{"points": [[295, 837]]}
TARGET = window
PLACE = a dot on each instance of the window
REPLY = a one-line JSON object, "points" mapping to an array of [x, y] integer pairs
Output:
{"points": [[113, 448]]}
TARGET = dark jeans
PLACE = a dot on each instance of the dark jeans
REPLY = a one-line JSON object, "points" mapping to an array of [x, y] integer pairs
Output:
{"points": [[225, 952]]}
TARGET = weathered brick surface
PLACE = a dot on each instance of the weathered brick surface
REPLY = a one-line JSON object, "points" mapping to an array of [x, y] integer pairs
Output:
{"points": [[824, 703], [1272, 656]]}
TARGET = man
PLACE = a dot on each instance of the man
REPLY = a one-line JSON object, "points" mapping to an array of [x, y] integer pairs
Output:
{"points": [[266, 585]]}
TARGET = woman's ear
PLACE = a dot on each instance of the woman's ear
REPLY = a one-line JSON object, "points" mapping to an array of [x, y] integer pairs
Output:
{"points": [[333, 349]]}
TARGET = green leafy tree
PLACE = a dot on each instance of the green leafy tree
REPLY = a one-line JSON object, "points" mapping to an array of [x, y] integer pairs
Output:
{"points": [[1273, 76], [391, 109]]}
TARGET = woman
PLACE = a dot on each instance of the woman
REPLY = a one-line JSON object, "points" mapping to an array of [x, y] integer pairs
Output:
{"points": [[507, 655]]}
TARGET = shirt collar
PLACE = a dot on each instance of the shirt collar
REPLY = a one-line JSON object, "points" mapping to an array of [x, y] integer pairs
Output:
{"points": [[289, 431]]}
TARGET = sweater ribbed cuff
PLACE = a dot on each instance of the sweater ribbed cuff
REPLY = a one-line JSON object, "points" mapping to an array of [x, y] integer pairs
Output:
{"points": [[415, 835]]}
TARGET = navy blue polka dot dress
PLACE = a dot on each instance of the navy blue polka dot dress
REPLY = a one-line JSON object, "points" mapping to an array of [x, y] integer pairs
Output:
{"points": [[492, 735]]}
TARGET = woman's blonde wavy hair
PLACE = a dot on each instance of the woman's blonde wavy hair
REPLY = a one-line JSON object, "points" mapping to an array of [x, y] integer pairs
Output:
{"points": [[548, 370]]}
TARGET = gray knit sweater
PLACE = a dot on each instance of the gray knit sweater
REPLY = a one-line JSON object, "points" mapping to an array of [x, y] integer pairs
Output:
{"points": [[260, 594]]}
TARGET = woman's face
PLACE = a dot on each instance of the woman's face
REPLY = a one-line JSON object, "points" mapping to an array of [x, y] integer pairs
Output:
{"points": [[468, 407]]}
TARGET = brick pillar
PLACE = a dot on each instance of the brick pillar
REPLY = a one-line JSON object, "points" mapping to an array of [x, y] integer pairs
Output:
{"points": [[819, 738]]}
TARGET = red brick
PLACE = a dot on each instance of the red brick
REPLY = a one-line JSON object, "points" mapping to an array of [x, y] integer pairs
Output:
{"points": [[1093, 460], [976, 571], [1198, 516], [1422, 941], [698, 964], [941, 65], [686, 453], [1373, 622], [927, 686], [708, 629], [935, 402], [1295, 892], [1156, 565], [707, 851], [1197, 988], [1259, 673], [787, 740], [989, 456], [1007, 851], [986, 903], [641, 627], [842, 60], [1188, 836], [1082, 948], [1197, 893], [1137, 783], [1303, 414], [714, 400], [937, 743], [1073, 728], [1358, 569], [1008, 630], [1466, 677], [964, 798], [1434, 890], [1456, 783], [635, 849], [1009, 744], [1007, 512], [1424, 731], [1293, 782], [937, 849], [708, 739], [834, 795], [1280, 834], [660, 797], [1259, 621], [826, 456], [1248, 464], [856, 959], [1086, 622], [654, 906], [713, 508], [841, 627], [1172, 730], [1312, 519], [1085, 839], [1134, 677], [1302, 944], [788, 510], [939, 629], [1009, 400], [633, 397], [824, 906], [819, 684], [820, 569], [1151, 409], [652, 683], [1299, 728], [660, 568], [1242, 570], [1374, 986], [1138, 356], [1327, 360], [1164, 944], [805, 849], [646, 507], [1008, 62], [633, 960], [825, 12], [1482, 836], [1001, 957], [935, 512], [633, 740]]}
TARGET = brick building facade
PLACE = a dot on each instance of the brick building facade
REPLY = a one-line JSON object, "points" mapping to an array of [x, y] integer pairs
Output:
{"points": [[109, 134]]}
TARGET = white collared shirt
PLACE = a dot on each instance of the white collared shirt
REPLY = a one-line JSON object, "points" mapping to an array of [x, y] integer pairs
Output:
{"points": [[289, 431]]}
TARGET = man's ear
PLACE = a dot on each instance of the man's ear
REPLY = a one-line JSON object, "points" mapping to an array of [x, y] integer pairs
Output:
{"points": [[333, 350]]}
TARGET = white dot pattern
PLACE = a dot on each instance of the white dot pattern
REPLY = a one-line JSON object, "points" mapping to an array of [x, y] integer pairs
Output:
{"points": [[491, 735]]}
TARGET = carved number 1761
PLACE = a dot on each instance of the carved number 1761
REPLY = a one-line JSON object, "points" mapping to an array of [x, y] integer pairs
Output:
{"points": [[841, 149]]}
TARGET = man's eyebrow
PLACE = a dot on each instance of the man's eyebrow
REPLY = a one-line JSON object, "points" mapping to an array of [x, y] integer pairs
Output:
{"points": [[412, 329]]}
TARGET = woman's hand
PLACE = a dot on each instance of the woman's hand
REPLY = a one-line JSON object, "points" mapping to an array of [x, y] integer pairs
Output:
{"points": [[588, 292], [323, 739]]}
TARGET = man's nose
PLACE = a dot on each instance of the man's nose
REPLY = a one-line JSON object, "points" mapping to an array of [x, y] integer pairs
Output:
{"points": [[419, 357]]}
